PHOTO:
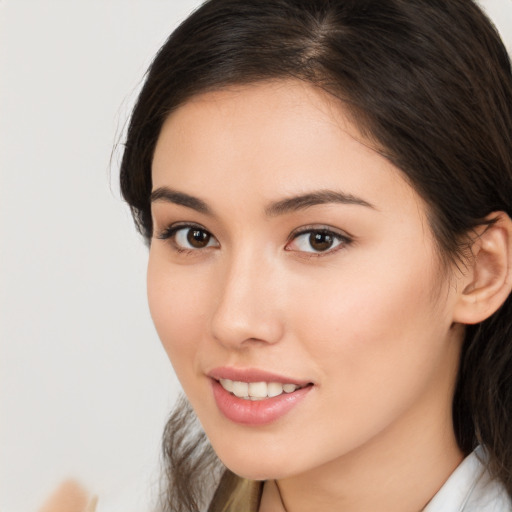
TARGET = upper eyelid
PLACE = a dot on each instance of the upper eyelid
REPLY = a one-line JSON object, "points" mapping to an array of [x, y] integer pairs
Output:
{"points": [[343, 237], [320, 227], [176, 226], [169, 235]]}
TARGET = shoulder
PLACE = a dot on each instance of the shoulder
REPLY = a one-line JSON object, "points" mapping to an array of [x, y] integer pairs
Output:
{"points": [[471, 488]]}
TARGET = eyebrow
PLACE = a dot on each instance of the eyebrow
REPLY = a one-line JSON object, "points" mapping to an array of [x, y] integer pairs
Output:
{"points": [[281, 207], [312, 199], [173, 196]]}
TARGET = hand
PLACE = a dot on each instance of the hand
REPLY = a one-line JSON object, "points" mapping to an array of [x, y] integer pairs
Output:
{"points": [[70, 497]]}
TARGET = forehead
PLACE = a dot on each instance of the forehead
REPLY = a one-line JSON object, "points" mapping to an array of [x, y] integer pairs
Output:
{"points": [[278, 138]]}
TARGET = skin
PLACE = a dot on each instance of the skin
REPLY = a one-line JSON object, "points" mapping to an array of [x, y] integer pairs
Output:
{"points": [[70, 496], [370, 322]]}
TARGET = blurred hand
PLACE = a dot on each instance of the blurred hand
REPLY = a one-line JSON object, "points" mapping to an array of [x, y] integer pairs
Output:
{"points": [[69, 497]]}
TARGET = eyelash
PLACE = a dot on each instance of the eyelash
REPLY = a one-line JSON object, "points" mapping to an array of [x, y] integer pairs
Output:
{"points": [[170, 232], [342, 240]]}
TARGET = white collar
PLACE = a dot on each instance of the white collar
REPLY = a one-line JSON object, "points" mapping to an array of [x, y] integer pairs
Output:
{"points": [[470, 488]]}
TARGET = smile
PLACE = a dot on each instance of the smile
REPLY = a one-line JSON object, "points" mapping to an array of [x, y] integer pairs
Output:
{"points": [[257, 390], [256, 397]]}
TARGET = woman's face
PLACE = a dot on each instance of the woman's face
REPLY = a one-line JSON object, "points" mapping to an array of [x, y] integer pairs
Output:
{"points": [[292, 262]]}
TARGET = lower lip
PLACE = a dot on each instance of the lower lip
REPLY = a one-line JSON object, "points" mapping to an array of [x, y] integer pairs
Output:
{"points": [[256, 412]]}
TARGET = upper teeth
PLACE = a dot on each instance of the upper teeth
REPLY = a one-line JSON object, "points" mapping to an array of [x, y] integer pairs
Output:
{"points": [[256, 390]]}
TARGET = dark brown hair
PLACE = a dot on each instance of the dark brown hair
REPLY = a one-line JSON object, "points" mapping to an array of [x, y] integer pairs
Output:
{"points": [[430, 82]]}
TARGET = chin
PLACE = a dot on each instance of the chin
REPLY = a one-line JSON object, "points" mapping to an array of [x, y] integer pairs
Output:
{"points": [[255, 463]]}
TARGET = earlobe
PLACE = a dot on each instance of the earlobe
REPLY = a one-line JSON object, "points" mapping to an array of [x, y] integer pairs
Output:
{"points": [[488, 280]]}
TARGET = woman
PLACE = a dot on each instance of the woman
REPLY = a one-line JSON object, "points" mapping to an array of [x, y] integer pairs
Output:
{"points": [[326, 190]]}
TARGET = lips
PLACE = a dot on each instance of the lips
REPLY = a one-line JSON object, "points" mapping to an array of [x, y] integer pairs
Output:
{"points": [[253, 375], [255, 397]]}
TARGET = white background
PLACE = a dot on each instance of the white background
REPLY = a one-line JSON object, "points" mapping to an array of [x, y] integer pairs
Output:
{"points": [[84, 385]]}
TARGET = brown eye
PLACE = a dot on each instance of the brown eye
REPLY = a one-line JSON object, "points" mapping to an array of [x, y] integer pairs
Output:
{"points": [[318, 241], [189, 237], [321, 241], [198, 238]]}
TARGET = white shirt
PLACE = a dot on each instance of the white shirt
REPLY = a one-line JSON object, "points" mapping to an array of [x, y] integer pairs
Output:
{"points": [[470, 488]]}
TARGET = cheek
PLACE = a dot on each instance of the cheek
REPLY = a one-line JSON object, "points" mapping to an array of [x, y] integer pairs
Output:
{"points": [[177, 302], [373, 329], [376, 349]]}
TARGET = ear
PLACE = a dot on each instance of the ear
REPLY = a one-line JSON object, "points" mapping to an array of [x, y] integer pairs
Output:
{"points": [[487, 283]]}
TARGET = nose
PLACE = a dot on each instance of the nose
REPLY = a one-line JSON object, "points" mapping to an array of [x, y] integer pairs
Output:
{"points": [[247, 308]]}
